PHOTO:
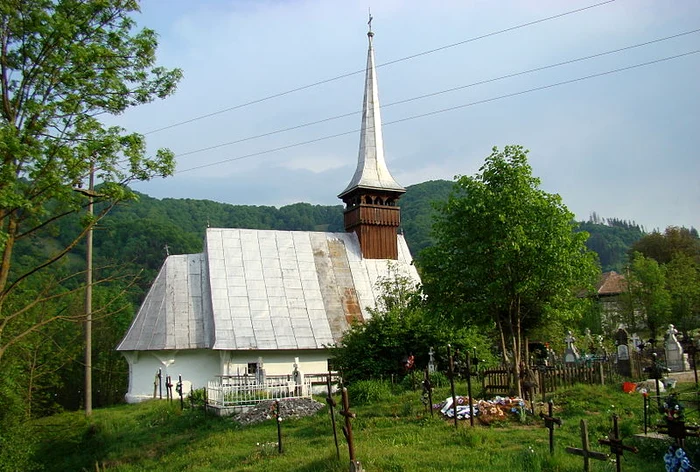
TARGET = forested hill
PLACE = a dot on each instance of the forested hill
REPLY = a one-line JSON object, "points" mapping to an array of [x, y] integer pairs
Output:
{"points": [[139, 231]]}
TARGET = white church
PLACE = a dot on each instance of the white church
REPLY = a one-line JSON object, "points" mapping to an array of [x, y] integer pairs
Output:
{"points": [[268, 296]]}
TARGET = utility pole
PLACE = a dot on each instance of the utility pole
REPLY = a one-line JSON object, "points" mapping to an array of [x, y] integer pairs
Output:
{"points": [[88, 298]]}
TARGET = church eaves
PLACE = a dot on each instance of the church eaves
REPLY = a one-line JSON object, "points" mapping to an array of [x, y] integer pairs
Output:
{"points": [[372, 171]]}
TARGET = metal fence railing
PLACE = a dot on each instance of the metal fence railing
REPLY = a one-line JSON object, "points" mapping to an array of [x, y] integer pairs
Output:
{"points": [[240, 391]]}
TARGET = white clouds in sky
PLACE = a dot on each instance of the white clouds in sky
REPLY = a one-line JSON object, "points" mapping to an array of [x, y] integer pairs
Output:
{"points": [[624, 145]]}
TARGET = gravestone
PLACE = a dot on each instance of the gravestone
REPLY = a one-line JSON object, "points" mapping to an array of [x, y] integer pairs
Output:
{"points": [[431, 362], [674, 351], [624, 364], [260, 372], [298, 379], [571, 354], [589, 343], [636, 342]]}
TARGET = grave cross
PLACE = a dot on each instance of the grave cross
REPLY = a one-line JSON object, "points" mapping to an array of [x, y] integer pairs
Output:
{"points": [[431, 361], [585, 450], [549, 422], [278, 417], [678, 430], [355, 465], [169, 388], [428, 390], [615, 443], [331, 405]]}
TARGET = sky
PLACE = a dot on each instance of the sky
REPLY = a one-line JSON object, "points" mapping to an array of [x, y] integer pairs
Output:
{"points": [[624, 145]]}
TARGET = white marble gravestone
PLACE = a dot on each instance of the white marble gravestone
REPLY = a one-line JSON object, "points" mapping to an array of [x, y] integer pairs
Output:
{"points": [[431, 362], [571, 354], [674, 351]]}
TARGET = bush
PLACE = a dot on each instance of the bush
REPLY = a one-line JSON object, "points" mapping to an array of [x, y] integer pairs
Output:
{"points": [[364, 392], [439, 379]]}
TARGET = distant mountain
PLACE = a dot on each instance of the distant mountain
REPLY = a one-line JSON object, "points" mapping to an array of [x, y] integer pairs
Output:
{"points": [[142, 232], [611, 239]]}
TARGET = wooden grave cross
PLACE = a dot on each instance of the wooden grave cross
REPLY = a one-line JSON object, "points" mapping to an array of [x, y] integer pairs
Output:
{"points": [[355, 465], [331, 406], [549, 422], [678, 430], [586, 451], [615, 443]]}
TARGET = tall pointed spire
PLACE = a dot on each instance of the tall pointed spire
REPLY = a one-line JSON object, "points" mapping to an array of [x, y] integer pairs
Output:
{"points": [[372, 171], [372, 193]]}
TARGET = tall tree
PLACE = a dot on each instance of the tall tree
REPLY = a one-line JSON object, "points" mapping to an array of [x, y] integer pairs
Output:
{"points": [[662, 247], [648, 295], [63, 65], [506, 252], [683, 282]]}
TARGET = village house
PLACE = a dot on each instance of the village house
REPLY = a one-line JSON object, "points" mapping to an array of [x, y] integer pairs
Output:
{"points": [[261, 299], [609, 289]]}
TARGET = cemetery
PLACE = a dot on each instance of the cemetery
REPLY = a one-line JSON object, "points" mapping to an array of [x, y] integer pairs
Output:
{"points": [[583, 409], [321, 346]]}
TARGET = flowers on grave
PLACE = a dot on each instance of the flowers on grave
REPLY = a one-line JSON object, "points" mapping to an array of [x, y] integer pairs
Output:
{"points": [[676, 460], [672, 409]]}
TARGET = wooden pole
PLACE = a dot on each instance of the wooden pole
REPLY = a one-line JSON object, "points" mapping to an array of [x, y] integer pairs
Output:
{"points": [[88, 298], [469, 391], [452, 383]]}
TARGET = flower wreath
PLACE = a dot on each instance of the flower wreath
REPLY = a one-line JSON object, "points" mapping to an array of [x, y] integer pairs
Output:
{"points": [[676, 460], [673, 409]]}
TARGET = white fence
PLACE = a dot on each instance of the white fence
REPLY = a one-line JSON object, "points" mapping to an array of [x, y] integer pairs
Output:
{"points": [[241, 391]]}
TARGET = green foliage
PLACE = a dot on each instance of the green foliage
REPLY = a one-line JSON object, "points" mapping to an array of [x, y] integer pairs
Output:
{"points": [[662, 247], [418, 209], [66, 64], [611, 239], [365, 392], [647, 295], [506, 251], [395, 433], [17, 443], [400, 326], [439, 379]]}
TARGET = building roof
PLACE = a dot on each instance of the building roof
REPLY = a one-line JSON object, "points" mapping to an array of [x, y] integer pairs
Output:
{"points": [[261, 290], [611, 283], [372, 171]]}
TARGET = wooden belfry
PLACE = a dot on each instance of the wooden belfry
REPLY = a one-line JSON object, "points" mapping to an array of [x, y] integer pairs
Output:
{"points": [[371, 197]]}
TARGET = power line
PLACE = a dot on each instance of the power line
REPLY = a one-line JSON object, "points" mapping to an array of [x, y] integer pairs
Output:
{"points": [[457, 107], [453, 89], [349, 74]]}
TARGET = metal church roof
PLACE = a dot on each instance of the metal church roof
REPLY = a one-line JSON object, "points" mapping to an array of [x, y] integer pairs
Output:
{"points": [[372, 171], [261, 290]]}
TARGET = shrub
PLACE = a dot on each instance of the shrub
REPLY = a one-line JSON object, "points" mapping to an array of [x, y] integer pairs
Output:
{"points": [[369, 391]]}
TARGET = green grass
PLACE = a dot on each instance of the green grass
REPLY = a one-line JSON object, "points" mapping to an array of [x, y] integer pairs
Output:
{"points": [[392, 434]]}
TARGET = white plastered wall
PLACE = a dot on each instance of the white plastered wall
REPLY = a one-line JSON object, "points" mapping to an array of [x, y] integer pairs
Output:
{"points": [[196, 367], [275, 362]]}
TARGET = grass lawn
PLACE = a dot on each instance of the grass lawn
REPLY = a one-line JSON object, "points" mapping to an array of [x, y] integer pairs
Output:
{"points": [[395, 434]]}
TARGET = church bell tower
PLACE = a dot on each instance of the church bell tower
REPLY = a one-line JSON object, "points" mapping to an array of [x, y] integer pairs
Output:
{"points": [[371, 197]]}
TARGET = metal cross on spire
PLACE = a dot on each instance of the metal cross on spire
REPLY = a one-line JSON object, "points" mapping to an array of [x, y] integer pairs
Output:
{"points": [[369, 23]]}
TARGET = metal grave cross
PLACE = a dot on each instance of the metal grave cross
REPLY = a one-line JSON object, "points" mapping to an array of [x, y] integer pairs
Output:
{"points": [[615, 443], [585, 450], [355, 465], [549, 422]]}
